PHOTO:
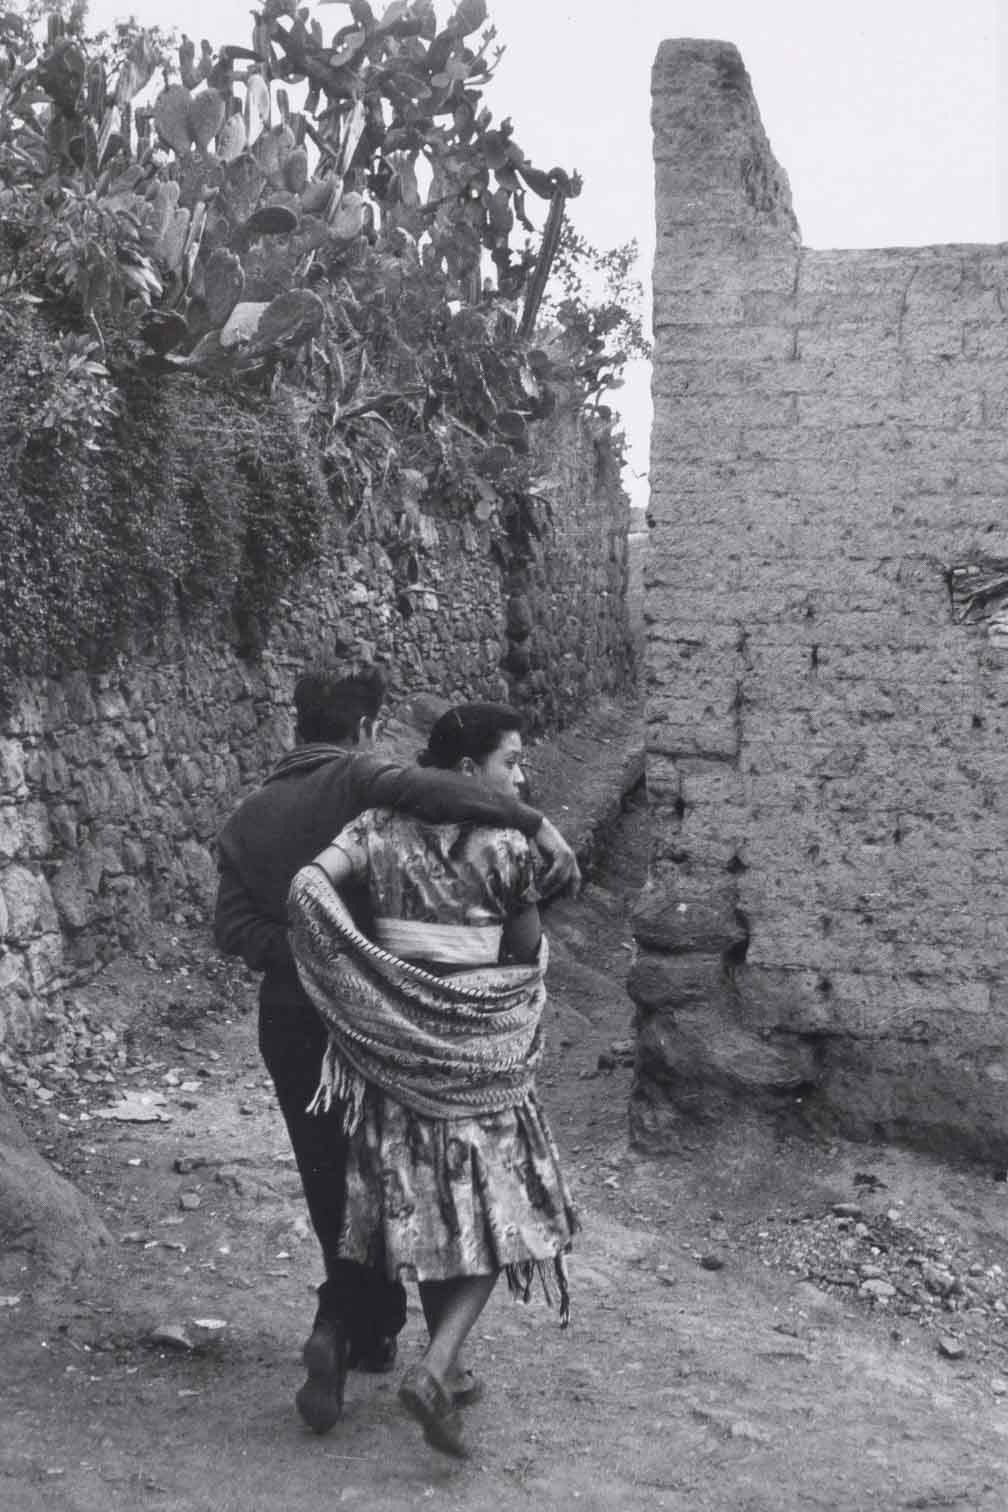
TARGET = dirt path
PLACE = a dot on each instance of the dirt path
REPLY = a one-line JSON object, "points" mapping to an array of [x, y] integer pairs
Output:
{"points": [[701, 1371]]}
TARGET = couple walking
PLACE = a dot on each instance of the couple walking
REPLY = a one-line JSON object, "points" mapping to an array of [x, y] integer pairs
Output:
{"points": [[399, 1020]]}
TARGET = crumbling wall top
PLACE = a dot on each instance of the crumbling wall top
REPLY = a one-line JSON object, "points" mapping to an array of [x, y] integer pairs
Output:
{"points": [[710, 145]]}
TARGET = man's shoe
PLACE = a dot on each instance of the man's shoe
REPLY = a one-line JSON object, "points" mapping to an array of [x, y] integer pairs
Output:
{"points": [[320, 1400], [374, 1359]]}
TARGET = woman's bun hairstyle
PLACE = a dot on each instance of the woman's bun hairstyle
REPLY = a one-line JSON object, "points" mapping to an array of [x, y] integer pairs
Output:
{"points": [[474, 730]]}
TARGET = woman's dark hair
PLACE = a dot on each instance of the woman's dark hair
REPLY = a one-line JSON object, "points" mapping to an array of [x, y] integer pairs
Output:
{"points": [[330, 706], [474, 730]]}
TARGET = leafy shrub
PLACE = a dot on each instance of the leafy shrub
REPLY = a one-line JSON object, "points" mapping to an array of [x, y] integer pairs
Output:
{"points": [[200, 503]]}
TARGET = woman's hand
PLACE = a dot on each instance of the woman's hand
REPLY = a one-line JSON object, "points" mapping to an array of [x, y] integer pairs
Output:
{"points": [[564, 874]]}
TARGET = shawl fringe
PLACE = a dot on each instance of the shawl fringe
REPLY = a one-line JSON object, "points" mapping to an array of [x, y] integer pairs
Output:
{"points": [[342, 1086], [522, 1275]]}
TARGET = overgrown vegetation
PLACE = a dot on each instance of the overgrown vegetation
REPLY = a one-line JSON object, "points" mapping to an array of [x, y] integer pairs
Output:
{"points": [[597, 301], [333, 216]]}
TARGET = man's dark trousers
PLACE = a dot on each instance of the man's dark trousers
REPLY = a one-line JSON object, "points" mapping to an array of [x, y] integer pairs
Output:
{"points": [[292, 1040]]}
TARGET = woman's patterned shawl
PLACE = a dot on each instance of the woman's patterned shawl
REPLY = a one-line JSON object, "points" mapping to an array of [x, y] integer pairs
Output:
{"points": [[452, 1046]]}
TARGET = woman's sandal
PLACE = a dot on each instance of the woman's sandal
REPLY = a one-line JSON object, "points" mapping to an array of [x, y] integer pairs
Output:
{"points": [[425, 1399]]}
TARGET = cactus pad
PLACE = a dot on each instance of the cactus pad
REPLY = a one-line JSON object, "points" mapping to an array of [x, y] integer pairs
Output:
{"points": [[290, 319], [242, 324], [223, 283], [231, 142], [347, 223], [206, 117], [257, 106], [295, 170], [271, 220], [171, 117]]}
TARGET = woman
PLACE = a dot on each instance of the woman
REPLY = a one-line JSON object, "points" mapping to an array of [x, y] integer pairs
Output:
{"points": [[452, 1172]]}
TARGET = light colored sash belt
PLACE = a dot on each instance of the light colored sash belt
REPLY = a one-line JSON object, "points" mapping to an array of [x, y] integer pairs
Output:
{"points": [[448, 944]]}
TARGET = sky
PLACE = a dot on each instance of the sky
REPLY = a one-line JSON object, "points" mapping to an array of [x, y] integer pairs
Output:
{"points": [[890, 117]]}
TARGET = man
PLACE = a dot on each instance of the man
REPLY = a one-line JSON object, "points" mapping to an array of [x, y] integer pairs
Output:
{"points": [[332, 776]]}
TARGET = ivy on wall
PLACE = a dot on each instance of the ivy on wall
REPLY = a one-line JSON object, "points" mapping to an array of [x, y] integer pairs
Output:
{"points": [[330, 293], [200, 504]]}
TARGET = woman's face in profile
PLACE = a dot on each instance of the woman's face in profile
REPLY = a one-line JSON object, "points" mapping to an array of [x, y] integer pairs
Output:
{"points": [[501, 770]]}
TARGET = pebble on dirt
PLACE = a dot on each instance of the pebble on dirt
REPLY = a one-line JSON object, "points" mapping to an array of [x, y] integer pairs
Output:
{"points": [[171, 1334], [951, 1348], [620, 1053], [877, 1289], [208, 1329], [138, 1107]]}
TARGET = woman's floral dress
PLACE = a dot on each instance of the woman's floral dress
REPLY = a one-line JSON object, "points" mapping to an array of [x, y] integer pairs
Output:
{"points": [[429, 1199]]}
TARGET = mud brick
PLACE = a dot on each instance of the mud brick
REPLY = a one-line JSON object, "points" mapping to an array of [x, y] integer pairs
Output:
{"points": [[798, 612]]}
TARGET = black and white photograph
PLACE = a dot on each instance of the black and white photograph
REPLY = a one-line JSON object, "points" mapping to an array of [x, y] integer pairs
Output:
{"points": [[503, 756]]}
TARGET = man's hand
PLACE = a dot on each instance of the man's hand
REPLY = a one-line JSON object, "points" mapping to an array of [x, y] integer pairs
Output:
{"points": [[564, 874]]}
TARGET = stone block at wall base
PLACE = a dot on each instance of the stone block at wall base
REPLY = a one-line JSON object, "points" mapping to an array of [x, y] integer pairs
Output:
{"points": [[698, 1060], [200, 872], [946, 1098], [737, 1134], [15, 997], [701, 1059], [678, 914], [656, 1126], [28, 903], [75, 894], [678, 982], [717, 1045]]}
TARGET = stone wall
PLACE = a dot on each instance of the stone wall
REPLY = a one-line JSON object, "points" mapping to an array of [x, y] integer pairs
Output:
{"points": [[637, 547], [113, 784], [826, 920], [569, 610]]}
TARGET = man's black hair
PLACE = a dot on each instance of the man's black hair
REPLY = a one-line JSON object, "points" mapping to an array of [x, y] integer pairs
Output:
{"points": [[330, 706]]}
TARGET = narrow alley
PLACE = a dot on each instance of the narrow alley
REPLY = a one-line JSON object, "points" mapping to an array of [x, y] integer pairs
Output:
{"points": [[720, 1357]]}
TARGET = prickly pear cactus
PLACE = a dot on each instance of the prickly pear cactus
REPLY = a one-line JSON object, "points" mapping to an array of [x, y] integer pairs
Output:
{"points": [[242, 199], [232, 139], [295, 171], [291, 319], [206, 117], [223, 284], [171, 117]]}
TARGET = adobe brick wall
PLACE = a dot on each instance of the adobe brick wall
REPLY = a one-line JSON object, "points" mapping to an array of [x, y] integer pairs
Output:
{"points": [[827, 913]]}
